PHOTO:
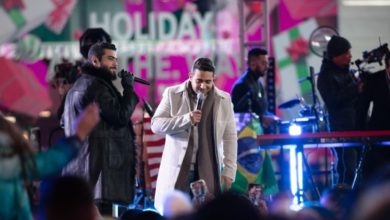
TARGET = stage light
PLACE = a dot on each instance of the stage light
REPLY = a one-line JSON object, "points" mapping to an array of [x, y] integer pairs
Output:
{"points": [[293, 174], [294, 130], [10, 118], [45, 114], [295, 207], [296, 175]]}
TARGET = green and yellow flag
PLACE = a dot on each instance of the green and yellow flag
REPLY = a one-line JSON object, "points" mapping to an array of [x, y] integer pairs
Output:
{"points": [[254, 165]]}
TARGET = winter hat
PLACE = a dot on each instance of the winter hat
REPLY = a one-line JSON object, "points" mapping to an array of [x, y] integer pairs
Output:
{"points": [[337, 46]]}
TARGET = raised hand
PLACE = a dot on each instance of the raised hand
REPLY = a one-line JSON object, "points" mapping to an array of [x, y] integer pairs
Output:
{"points": [[87, 121]]}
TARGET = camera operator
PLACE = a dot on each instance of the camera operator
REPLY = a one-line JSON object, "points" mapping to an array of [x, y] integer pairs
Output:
{"points": [[340, 90], [376, 90]]}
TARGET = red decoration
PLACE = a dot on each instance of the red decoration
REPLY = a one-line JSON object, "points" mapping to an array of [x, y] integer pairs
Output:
{"points": [[11, 4], [298, 48], [60, 13]]}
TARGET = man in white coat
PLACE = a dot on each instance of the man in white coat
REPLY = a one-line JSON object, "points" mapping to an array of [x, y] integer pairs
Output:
{"points": [[201, 138]]}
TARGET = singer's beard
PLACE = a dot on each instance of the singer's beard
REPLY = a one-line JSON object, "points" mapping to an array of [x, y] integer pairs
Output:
{"points": [[113, 76], [112, 72]]}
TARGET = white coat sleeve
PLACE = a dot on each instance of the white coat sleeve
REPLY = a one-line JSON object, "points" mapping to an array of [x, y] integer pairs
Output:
{"points": [[163, 122], [229, 139]]}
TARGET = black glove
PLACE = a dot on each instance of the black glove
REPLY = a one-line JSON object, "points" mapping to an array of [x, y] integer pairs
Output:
{"points": [[127, 79]]}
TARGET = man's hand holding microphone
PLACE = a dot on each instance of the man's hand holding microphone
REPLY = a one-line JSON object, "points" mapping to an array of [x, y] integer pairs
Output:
{"points": [[123, 73], [127, 79], [196, 114]]}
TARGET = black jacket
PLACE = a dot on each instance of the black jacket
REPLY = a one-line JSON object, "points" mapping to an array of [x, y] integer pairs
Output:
{"points": [[249, 90], [376, 89], [339, 90], [107, 159]]}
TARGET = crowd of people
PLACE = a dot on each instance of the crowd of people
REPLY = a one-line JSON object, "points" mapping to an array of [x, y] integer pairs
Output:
{"points": [[93, 168]]}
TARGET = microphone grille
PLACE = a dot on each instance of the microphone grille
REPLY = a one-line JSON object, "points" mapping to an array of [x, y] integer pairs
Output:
{"points": [[200, 96]]}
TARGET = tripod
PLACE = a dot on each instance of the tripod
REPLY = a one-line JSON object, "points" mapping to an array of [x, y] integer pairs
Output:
{"points": [[301, 162]]}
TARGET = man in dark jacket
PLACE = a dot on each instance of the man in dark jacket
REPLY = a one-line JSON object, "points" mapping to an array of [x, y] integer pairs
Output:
{"points": [[340, 90], [248, 92], [107, 159], [376, 90]]}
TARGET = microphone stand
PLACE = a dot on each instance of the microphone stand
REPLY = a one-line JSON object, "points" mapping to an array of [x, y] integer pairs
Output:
{"points": [[300, 147], [313, 93]]}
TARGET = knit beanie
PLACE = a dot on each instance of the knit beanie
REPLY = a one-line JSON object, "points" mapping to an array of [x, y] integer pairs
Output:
{"points": [[337, 46]]}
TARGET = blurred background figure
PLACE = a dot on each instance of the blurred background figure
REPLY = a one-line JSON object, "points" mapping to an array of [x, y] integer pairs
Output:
{"points": [[248, 94], [315, 213], [339, 200], [149, 215], [65, 75], [90, 37], [374, 203], [19, 165], [176, 204], [255, 196], [130, 214], [229, 206], [280, 205], [67, 197], [340, 91]]}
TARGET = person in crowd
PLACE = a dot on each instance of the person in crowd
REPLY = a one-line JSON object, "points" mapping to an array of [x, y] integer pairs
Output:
{"points": [[248, 93], [90, 37], [65, 75], [280, 206], [107, 158], [339, 200], [19, 165], [130, 214], [229, 206], [177, 204], [149, 215], [373, 203], [340, 91], [314, 212], [67, 197], [197, 120]]}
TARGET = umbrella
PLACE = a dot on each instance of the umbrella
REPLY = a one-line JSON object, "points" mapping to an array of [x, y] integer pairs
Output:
{"points": [[20, 90]]}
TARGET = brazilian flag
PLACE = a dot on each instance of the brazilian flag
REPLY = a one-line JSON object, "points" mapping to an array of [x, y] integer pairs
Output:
{"points": [[254, 165]]}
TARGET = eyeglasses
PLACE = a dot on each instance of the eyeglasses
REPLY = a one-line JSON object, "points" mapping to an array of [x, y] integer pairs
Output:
{"points": [[58, 82]]}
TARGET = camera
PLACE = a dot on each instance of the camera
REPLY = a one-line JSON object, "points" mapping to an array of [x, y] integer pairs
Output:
{"points": [[375, 55]]}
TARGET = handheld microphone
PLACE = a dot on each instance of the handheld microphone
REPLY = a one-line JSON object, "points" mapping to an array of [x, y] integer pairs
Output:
{"points": [[311, 71], [136, 79], [199, 101]]}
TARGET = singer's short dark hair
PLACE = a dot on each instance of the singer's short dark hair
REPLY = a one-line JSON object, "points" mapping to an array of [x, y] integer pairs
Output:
{"points": [[255, 52], [203, 64], [98, 49]]}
